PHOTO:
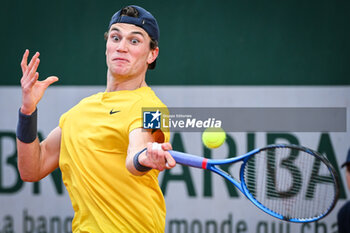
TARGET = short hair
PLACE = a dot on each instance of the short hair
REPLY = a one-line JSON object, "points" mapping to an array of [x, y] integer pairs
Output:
{"points": [[132, 12]]}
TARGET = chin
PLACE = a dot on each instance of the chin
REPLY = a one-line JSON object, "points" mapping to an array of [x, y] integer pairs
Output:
{"points": [[119, 71]]}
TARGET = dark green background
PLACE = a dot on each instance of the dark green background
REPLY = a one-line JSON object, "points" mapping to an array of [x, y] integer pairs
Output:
{"points": [[202, 42]]}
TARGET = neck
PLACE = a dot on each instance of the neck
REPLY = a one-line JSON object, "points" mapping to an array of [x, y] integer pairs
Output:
{"points": [[124, 83]]}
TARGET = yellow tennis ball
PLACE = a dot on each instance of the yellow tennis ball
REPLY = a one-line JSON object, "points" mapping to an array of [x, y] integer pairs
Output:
{"points": [[213, 137]]}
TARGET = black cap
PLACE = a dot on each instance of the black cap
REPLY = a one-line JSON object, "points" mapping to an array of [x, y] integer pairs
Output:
{"points": [[145, 20], [347, 160]]}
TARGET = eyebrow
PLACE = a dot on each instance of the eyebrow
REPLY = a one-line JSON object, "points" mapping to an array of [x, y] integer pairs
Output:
{"points": [[133, 32]]}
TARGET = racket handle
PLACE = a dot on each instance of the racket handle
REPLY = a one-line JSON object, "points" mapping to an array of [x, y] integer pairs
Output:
{"points": [[189, 160]]}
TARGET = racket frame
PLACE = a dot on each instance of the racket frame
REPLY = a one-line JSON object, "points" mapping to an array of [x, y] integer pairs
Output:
{"points": [[211, 164]]}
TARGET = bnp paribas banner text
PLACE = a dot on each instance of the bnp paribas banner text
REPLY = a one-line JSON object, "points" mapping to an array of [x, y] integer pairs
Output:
{"points": [[197, 201]]}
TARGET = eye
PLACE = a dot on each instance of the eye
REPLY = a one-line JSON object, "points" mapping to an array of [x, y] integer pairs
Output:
{"points": [[115, 38], [135, 41]]}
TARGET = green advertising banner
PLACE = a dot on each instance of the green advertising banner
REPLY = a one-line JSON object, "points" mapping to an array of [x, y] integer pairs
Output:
{"points": [[201, 42]]}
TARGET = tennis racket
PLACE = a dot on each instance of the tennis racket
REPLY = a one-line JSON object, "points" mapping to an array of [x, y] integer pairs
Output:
{"points": [[289, 182]]}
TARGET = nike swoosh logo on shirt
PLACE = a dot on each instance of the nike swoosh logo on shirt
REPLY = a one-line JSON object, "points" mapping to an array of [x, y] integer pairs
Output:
{"points": [[112, 112]]}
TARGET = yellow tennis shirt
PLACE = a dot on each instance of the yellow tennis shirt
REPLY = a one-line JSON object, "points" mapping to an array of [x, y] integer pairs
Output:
{"points": [[105, 196]]}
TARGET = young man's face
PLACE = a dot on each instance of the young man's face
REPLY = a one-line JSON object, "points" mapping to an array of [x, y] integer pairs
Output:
{"points": [[128, 52]]}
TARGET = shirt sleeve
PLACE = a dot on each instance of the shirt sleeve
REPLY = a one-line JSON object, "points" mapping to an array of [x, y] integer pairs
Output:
{"points": [[62, 119], [137, 116]]}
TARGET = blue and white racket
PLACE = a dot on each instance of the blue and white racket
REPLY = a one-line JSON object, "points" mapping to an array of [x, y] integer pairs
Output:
{"points": [[289, 182]]}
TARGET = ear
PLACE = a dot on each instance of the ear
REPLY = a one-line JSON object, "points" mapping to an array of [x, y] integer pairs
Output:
{"points": [[153, 55]]}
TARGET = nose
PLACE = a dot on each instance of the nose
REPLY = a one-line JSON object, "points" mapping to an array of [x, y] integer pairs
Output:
{"points": [[122, 46]]}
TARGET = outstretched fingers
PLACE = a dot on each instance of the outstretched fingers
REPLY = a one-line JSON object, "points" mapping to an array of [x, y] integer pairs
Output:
{"points": [[24, 61], [33, 75], [30, 74], [32, 62], [32, 89]]}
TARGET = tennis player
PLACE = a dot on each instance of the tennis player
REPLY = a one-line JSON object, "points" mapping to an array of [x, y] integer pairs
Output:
{"points": [[109, 163]]}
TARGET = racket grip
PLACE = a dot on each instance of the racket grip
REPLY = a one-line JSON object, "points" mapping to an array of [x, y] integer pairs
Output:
{"points": [[189, 160]]}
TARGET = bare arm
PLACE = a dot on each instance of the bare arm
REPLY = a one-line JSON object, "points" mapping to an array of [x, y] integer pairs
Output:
{"points": [[36, 160], [158, 159]]}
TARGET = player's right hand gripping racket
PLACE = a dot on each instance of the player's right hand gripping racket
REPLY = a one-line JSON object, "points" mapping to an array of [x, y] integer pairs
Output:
{"points": [[289, 182]]}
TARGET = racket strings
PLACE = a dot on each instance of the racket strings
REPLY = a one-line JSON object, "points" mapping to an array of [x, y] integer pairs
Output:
{"points": [[290, 182]]}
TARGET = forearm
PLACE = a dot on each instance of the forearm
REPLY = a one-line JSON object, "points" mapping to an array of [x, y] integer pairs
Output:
{"points": [[28, 146], [29, 160]]}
